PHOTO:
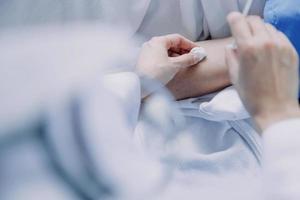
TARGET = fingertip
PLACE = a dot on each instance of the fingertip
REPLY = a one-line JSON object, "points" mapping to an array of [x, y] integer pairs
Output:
{"points": [[199, 54], [231, 17], [239, 27]]}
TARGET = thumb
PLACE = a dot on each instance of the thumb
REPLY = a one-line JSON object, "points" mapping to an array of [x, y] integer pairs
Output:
{"points": [[232, 63], [186, 60]]}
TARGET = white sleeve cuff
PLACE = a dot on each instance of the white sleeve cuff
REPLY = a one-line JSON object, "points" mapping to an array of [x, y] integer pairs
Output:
{"points": [[283, 136], [282, 160]]}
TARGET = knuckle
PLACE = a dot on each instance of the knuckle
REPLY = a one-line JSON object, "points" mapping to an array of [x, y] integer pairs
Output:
{"points": [[248, 48], [269, 44]]}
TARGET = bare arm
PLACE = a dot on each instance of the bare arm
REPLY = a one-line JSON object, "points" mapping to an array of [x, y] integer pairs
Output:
{"points": [[208, 76]]}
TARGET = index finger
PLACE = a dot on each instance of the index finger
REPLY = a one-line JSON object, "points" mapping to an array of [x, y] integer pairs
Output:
{"points": [[239, 27]]}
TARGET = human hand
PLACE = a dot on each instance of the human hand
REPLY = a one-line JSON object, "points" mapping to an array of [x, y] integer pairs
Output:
{"points": [[264, 69], [162, 57]]}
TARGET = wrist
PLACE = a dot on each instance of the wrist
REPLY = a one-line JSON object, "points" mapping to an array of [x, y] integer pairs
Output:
{"points": [[266, 119]]}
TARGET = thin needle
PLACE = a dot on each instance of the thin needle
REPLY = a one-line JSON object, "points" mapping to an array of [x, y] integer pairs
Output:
{"points": [[247, 7], [246, 11]]}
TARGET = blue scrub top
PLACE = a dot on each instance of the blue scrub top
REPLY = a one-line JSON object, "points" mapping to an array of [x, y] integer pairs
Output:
{"points": [[285, 16]]}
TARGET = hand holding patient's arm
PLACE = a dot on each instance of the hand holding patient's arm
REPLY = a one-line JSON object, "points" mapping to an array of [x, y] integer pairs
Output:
{"points": [[207, 76], [157, 60]]}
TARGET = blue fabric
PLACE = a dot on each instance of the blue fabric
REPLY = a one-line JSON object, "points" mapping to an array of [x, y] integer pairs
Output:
{"points": [[285, 16]]}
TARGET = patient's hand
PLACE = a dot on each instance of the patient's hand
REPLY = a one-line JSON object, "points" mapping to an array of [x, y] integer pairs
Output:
{"points": [[208, 76]]}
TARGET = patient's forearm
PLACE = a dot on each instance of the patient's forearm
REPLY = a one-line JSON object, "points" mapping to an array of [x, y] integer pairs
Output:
{"points": [[208, 76]]}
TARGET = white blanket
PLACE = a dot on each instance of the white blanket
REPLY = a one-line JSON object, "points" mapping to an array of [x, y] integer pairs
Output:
{"points": [[219, 141]]}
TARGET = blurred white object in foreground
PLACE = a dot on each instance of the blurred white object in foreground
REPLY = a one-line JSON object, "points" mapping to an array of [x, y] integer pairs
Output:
{"points": [[61, 132], [41, 64]]}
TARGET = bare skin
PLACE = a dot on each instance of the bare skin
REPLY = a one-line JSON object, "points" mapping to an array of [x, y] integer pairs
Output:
{"points": [[208, 76]]}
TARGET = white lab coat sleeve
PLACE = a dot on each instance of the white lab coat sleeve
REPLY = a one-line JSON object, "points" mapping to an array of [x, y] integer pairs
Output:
{"points": [[282, 160]]}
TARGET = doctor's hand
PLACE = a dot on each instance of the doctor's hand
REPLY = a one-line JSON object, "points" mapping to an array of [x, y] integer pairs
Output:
{"points": [[264, 69], [162, 57]]}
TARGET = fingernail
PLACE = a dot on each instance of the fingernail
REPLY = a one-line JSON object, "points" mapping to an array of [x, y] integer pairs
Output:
{"points": [[199, 53]]}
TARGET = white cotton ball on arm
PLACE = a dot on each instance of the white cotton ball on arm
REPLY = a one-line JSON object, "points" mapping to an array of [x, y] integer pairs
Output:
{"points": [[199, 52]]}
